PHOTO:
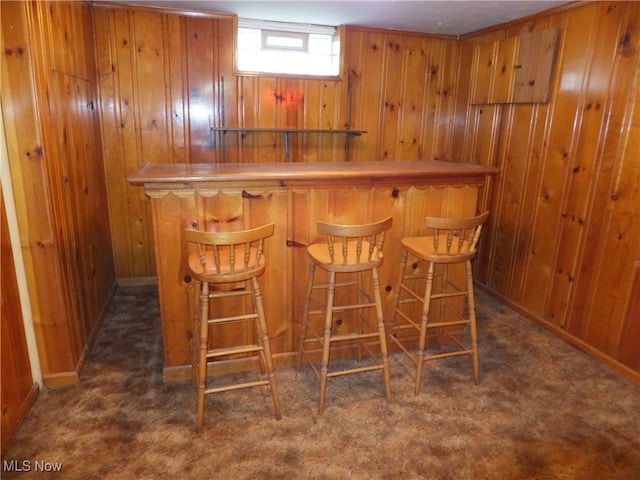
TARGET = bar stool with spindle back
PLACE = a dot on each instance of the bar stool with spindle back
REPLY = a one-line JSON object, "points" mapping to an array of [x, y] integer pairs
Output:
{"points": [[223, 260], [349, 249], [449, 241]]}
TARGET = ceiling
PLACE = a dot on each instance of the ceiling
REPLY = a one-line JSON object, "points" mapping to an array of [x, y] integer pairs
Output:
{"points": [[453, 17]]}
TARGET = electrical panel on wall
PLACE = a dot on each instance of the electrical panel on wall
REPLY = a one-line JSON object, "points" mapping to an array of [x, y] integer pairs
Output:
{"points": [[516, 69]]}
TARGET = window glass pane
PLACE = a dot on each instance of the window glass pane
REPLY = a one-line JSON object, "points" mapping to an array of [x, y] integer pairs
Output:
{"points": [[294, 41], [274, 41], [320, 63], [319, 44], [249, 38]]}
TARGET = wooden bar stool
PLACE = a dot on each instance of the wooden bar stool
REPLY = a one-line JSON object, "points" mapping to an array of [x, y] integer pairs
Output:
{"points": [[349, 249], [449, 241], [228, 264]]}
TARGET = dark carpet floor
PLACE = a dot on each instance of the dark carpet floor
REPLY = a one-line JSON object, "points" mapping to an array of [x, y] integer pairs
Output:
{"points": [[543, 410]]}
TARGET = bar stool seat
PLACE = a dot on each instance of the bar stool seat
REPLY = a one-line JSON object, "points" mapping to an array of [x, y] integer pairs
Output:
{"points": [[449, 241], [228, 264], [349, 249]]}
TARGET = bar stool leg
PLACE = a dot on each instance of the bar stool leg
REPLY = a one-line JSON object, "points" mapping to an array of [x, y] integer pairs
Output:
{"points": [[473, 331], [326, 343], [359, 314], [259, 337], [305, 313], [423, 326], [262, 323], [204, 346], [195, 328], [396, 297], [382, 334]]}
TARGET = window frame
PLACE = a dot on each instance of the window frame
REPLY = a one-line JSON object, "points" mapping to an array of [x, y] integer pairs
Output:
{"points": [[340, 32]]}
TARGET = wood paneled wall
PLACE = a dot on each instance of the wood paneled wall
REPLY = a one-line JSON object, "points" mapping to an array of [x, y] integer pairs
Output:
{"points": [[49, 96], [403, 94], [167, 78], [17, 390], [564, 232], [564, 238]]}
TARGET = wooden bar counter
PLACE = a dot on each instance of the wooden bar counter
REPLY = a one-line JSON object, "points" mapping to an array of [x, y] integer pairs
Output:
{"points": [[294, 196]]}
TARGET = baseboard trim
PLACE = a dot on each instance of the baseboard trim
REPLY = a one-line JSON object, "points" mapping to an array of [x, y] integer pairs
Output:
{"points": [[9, 433]]}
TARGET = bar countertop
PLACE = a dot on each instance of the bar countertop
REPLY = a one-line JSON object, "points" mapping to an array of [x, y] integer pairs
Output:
{"points": [[294, 196], [310, 173]]}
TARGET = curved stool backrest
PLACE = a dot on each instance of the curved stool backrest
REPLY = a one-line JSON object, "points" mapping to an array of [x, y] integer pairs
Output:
{"points": [[454, 239], [228, 256], [351, 248]]}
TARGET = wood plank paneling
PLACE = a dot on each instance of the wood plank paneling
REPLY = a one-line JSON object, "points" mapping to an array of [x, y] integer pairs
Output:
{"points": [[200, 83], [49, 101], [166, 79], [564, 232], [417, 60], [620, 238], [503, 81], [591, 115], [18, 390], [29, 178], [561, 204]]}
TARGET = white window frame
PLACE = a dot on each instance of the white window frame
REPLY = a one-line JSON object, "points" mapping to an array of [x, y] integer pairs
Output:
{"points": [[298, 60]]}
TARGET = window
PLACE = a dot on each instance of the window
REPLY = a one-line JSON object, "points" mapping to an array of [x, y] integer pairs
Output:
{"points": [[287, 48]]}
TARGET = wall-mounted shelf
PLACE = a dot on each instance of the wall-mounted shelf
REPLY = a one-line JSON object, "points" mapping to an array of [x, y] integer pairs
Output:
{"points": [[287, 133], [347, 132]]}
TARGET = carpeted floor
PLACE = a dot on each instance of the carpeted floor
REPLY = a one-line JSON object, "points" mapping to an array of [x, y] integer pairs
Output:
{"points": [[543, 410]]}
